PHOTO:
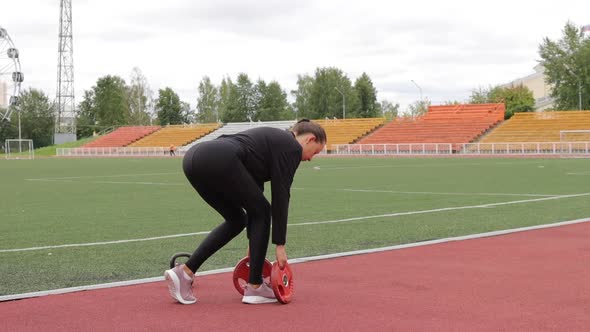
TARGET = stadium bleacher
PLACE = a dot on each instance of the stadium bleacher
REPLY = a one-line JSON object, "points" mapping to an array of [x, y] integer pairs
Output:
{"points": [[177, 135], [235, 127], [441, 124], [122, 136], [347, 131], [538, 126]]}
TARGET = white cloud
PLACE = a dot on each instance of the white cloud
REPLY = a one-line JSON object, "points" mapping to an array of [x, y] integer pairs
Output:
{"points": [[448, 47]]}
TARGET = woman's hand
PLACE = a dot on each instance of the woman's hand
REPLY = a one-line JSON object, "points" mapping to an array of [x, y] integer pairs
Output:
{"points": [[281, 255]]}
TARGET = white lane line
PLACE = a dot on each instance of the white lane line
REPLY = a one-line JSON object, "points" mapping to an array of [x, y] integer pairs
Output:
{"points": [[443, 193], [293, 261], [579, 173], [397, 214]]}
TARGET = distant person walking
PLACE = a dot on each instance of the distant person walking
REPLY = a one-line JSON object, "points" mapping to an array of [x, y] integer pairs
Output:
{"points": [[229, 173], [172, 150]]}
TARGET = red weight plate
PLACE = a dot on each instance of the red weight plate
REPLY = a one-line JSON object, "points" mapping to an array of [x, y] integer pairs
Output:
{"points": [[282, 284], [242, 273]]}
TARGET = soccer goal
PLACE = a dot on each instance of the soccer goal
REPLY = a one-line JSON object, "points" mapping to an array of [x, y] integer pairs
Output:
{"points": [[575, 141], [19, 149]]}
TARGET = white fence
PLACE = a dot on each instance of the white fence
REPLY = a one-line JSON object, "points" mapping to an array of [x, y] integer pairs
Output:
{"points": [[515, 148], [433, 149], [537, 148], [393, 149], [116, 152]]}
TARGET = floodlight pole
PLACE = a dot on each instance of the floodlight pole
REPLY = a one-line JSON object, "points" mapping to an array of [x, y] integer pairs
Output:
{"points": [[419, 88], [343, 103]]}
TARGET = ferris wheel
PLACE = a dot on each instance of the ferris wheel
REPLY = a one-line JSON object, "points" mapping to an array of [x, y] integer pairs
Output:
{"points": [[10, 75]]}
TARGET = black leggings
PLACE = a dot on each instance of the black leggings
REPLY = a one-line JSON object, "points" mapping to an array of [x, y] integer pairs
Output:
{"points": [[221, 179]]}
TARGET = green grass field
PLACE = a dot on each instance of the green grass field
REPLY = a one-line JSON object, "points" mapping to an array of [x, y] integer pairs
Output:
{"points": [[371, 203]]}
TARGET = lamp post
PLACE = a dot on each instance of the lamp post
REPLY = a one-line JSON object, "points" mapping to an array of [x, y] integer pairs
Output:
{"points": [[419, 88], [343, 104]]}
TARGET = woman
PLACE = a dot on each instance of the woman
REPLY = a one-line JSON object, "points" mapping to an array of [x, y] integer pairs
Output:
{"points": [[229, 173]]}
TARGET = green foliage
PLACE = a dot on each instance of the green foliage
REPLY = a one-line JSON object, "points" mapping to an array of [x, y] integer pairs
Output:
{"points": [[388, 110], [238, 100], [7, 130], [245, 103], [140, 99], [86, 124], [271, 103], [37, 118], [224, 98], [111, 101], [567, 68], [208, 103], [332, 94], [302, 105], [367, 96], [516, 98], [418, 108], [169, 108], [480, 96]]}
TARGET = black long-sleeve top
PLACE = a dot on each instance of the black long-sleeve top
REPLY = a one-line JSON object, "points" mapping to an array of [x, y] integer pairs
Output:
{"points": [[271, 154]]}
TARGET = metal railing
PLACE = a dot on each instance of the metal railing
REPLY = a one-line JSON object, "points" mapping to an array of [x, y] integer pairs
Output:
{"points": [[117, 152], [408, 149]]}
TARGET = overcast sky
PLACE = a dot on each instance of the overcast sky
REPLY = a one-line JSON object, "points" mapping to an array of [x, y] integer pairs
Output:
{"points": [[447, 47]]}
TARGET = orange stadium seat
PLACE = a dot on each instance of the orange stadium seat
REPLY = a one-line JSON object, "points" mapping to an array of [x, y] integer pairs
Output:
{"points": [[122, 136]]}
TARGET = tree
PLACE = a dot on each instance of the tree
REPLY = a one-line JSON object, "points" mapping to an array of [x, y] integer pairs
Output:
{"points": [[110, 101], [327, 100], [237, 100], [224, 99], [37, 117], [186, 113], [86, 120], [480, 96], [271, 103], [516, 98], [168, 107], [7, 130], [302, 103], [567, 68], [140, 99], [245, 98], [367, 96], [388, 109], [418, 108], [208, 102]]}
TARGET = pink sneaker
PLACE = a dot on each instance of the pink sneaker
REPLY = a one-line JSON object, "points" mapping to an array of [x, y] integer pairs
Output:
{"points": [[180, 288], [262, 294]]}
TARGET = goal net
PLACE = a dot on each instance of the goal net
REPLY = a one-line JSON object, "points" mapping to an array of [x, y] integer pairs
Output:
{"points": [[19, 149], [574, 141]]}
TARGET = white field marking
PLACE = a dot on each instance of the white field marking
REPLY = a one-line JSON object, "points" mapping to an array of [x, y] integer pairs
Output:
{"points": [[440, 210], [579, 173], [422, 165], [110, 182], [105, 242], [442, 193], [397, 214], [296, 260], [99, 176]]}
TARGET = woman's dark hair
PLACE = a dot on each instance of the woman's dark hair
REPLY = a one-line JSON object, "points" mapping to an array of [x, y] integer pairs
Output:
{"points": [[305, 126]]}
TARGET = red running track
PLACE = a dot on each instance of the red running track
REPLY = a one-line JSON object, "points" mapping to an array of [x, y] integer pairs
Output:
{"points": [[528, 281]]}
